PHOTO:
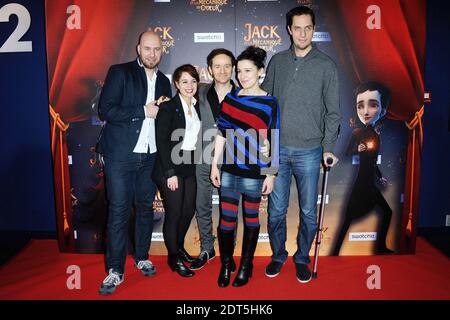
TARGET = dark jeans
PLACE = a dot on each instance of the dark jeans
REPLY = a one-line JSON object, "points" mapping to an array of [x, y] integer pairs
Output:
{"points": [[129, 182], [179, 206], [304, 165]]}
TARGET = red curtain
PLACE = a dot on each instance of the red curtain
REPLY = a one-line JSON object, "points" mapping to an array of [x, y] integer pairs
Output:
{"points": [[77, 58], [64, 212], [394, 55]]}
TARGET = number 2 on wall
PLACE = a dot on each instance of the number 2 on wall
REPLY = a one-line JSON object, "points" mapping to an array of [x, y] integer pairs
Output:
{"points": [[13, 43]]}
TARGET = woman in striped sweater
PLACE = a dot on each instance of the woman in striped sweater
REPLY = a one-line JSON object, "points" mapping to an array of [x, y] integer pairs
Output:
{"points": [[248, 126]]}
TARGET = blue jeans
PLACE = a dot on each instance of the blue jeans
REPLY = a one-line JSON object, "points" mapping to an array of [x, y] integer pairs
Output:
{"points": [[245, 186], [127, 183], [304, 164]]}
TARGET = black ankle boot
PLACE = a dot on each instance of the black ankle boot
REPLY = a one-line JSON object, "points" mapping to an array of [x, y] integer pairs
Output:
{"points": [[248, 251], [185, 256], [176, 264], [226, 247], [244, 273]]}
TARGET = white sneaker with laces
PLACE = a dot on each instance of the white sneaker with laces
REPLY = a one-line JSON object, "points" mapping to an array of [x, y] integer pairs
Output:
{"points": [[111, 282], [147, 268]]}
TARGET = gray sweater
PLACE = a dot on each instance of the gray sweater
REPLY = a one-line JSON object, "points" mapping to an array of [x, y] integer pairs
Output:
{"points": [[307, 90]]}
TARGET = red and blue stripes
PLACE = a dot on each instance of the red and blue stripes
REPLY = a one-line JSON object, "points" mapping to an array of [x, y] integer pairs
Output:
{"points": [[229, 207], [246, 122]]}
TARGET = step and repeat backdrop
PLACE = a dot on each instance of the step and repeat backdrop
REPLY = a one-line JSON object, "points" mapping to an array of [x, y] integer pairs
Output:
{"points": [[369, 41]]}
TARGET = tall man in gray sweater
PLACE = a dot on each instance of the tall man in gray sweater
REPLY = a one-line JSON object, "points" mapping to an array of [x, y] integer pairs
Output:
{"points": [[305, 82]]}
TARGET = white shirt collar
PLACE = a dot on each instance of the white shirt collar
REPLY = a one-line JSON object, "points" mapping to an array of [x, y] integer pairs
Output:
{"points": [[193, 101]]}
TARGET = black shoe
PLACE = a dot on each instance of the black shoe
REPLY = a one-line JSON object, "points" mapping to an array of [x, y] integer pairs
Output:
{"points": [[110, 283], [226, 248], [244, 274], [202, 259], [178, 266], [225, 273], [185, 256], [224, 276], [273, 268], [303, 273], [249, 242]]}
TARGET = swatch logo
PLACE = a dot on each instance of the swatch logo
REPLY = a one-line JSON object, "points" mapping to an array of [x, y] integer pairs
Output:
{"points": [[321, 37], [263, 237], [157, 236], [362, 236], [209, 37]]}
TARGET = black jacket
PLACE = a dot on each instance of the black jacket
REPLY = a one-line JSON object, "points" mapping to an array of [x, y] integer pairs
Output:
{"points": [[171, 117], [121, 105]]}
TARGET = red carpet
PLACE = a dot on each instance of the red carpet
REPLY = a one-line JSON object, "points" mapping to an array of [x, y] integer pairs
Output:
{"points": [[39, 272]]}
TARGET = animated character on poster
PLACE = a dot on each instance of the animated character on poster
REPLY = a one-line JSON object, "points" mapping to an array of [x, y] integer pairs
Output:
{"points": [[372, 100]]}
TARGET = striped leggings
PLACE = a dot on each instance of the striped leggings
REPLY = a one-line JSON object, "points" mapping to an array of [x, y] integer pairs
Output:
{"points": [[229, 204]]}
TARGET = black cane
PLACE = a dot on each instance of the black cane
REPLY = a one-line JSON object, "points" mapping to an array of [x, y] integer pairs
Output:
{"points": [[326, 170]]}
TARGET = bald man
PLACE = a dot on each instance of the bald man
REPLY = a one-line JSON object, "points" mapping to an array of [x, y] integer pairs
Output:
{"points": [[127, 144]]}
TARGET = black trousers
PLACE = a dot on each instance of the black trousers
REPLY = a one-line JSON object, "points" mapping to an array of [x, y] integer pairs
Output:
{"points": [[179, 207]]}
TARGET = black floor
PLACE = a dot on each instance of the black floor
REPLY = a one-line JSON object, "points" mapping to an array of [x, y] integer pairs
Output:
{"points": [[12, 242], [439, 237]]}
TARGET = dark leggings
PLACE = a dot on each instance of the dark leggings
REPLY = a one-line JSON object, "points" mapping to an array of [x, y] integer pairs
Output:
{"points": [[179, 206]]}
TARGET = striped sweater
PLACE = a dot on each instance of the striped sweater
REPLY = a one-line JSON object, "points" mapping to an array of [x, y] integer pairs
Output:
{"points": [[246, 122]]}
